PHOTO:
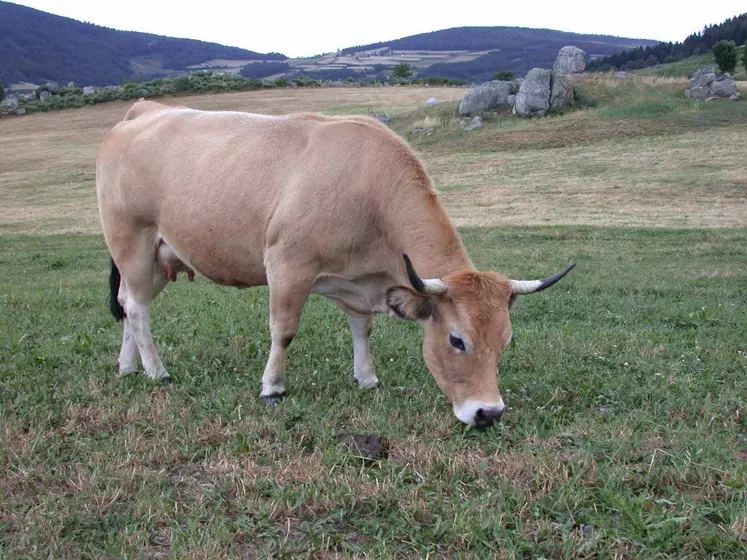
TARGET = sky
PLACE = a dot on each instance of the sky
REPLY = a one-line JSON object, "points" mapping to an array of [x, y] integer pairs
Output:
{"points": [[309, 28]]}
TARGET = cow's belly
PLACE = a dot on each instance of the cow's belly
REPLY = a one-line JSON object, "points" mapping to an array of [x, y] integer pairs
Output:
{"points": [[227, 260]]}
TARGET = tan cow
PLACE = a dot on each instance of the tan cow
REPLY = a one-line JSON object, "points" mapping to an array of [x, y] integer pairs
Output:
{"points": [[305, 204]]}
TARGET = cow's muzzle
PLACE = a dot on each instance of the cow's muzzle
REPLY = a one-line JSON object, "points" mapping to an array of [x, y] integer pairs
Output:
{"points": [[479, 413]]}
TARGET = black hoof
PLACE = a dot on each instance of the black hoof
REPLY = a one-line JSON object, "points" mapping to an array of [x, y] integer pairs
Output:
{"points": [[168, 380], [274, 399]]}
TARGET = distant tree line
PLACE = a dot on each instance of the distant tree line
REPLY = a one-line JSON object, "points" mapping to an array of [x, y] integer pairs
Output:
{"points": [[733, 29], [264, 69]]}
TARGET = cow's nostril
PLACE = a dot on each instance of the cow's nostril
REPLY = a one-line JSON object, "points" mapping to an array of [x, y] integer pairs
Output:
{"points": [[486, 416]]}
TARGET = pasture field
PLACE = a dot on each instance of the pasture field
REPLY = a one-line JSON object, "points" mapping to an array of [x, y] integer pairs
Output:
{"points": [[625, 433]]}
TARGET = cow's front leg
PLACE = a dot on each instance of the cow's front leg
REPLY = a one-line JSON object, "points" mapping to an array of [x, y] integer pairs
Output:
{"points": [[286, 302], [363, 368]]}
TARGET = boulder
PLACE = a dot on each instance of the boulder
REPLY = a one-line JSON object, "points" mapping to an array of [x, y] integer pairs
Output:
{"points": [[562, 91], [20, 111], [736, 96], [622, 74], [44, 95], [705, 84], [11, 101], [431, 101], [54, 87], [381, 117], [511, 100], [723, 86], [71, 85], [570, 60], [89, 90], [485, 97], [533, 98]]}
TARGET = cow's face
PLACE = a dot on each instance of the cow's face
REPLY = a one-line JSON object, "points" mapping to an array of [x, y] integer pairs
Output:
{"points": [[466, 329]]}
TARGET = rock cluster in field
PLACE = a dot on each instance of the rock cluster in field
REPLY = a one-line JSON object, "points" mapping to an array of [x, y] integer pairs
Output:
{"points": [[538, 92], [706, 84]]}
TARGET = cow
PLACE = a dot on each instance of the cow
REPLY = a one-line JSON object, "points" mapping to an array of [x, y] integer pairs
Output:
{"points": [[303, 203]]}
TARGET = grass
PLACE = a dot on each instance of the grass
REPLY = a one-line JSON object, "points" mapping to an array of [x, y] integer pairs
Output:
{"points": [[625, 391], [625, 434], [688, 66]]}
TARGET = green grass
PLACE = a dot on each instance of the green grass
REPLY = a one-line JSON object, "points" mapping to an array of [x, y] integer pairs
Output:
{"points": [[624, 434]]}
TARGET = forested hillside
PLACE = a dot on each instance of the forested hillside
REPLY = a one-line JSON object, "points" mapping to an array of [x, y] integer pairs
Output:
{"points": [[36, 46], [733, 29]]}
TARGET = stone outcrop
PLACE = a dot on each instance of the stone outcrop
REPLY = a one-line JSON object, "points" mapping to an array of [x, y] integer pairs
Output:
{"points": [[705, 84], [570, 60], [561, 92], [485, 97], [533, 98]]}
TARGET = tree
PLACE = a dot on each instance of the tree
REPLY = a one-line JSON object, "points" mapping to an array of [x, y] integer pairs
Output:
{"points": [[744, 56], [402, 70], [2, 92], [504, 76], [725, 53]]}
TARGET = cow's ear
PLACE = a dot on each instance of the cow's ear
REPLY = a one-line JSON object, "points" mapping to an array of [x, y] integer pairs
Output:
{"points": [[408, 304]]}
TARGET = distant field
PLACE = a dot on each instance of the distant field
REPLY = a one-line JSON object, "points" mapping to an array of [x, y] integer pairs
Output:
{"points": [[626, 429]]}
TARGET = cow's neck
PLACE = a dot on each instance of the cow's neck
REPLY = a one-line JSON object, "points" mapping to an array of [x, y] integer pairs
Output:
{"points": [[429, 238]]}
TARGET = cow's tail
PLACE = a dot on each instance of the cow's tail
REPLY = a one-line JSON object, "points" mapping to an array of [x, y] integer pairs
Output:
{"points": [[114, 281]]}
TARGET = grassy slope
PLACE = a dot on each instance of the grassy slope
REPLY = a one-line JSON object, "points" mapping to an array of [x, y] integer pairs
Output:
{"points": [[626, 428], [688, 66]]}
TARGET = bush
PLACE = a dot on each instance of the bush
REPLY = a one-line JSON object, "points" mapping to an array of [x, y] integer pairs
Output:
{"points": [[744, 57], [725, 53], [2, 92], [402, 70], [504, 76]]}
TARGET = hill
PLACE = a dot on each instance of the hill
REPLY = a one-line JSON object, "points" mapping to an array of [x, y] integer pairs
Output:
{"points": [[36, 46], [500, 48]]}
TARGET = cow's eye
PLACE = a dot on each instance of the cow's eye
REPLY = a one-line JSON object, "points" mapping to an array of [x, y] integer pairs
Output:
{"points": [[457, 343]]}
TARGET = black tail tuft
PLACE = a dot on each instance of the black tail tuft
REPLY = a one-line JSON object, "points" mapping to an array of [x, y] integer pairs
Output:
{"points": [[114, 280]]}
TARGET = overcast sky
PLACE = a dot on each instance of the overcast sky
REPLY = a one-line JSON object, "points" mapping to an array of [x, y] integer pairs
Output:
{"points": [[307, 28]]}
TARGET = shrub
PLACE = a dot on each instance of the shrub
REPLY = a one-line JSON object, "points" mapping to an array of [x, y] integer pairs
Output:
{"points": [[2, 92], [744, 57], [504, 75], [725, 53]]}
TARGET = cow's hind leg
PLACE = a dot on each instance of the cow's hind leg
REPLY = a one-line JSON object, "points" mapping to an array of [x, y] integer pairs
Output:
{"points": [[363, 368], [142, 280], [289, 291]]}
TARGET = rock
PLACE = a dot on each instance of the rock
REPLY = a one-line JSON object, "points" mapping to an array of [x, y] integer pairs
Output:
{"points": [[485, 97], [416, 131], [562, 92], [44, 95], [589, 529], [71, 85], [511, 100], [736, 96], [54, 87], [431, 101], [622, 74], [723, 86], [381, 117], [476, 123], [143, 92], [364, 445], [20, 111], [570, 60], [89, 90], [11, 101], [429, 131], [29, 96], [705, 84], [533, 98]]}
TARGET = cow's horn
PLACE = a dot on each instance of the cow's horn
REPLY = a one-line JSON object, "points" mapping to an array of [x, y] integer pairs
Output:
{"points": [[435, 286], [521, 287]]}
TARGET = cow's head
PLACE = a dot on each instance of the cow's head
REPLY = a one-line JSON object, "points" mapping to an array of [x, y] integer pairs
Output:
{"points": [[467, 326]]}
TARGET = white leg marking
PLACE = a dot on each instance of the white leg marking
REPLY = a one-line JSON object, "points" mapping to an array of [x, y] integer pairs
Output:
{"points": [[273, 377], [360, 326], [128, 355], [139, 316]]}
